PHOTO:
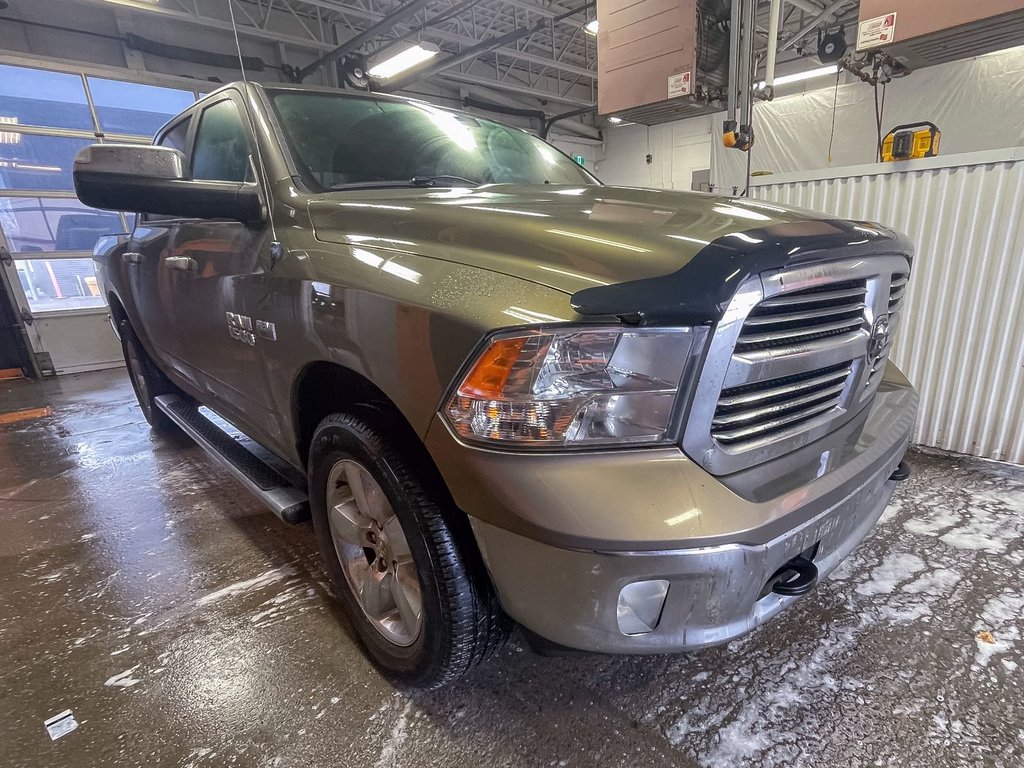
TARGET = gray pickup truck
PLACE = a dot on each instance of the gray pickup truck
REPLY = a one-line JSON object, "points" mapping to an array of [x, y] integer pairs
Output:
{"points": [[632, 421]]}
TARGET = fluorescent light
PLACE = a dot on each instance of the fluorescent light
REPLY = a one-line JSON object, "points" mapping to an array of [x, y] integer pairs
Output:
{"points": [[798, 76], [9, 137], [590, 27], [614, 119], [395, 59], [135, 3]]}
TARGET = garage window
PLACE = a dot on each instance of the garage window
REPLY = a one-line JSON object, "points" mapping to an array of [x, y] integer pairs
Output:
{"points": [[135, 108], [46, 117], [38, 97]]}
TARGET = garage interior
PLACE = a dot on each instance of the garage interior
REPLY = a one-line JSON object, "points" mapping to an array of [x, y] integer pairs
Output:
{"points": [[153, 614]]}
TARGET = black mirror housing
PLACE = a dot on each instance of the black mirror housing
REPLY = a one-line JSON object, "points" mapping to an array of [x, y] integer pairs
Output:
{"points": [[147, 179]]}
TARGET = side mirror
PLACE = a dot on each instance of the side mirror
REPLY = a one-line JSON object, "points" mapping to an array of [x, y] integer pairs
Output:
{"points": [[147, 179]]}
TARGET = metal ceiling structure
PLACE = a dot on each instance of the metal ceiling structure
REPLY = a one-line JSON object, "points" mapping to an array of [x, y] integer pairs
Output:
{"points": [[553, 60]]}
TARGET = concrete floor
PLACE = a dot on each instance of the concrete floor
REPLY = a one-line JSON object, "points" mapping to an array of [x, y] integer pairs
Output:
{"points": [[185, 626]]}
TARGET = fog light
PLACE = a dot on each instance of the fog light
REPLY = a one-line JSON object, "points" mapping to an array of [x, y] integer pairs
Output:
{"points": [[640, 604]]}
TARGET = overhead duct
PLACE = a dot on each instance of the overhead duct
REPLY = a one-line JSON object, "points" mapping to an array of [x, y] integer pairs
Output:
{"points": [[921, 33], [662, 60]]}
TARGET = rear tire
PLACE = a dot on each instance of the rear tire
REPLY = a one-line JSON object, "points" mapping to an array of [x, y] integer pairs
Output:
{"points": [[147, 380], [366, 535]]}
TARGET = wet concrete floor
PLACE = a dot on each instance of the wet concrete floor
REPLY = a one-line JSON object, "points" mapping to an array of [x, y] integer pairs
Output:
{"points": [[183, 625]]}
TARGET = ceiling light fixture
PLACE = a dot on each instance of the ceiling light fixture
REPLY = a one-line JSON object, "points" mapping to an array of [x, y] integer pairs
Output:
{"points": [[135, 3], [591, 27], [400, 58], [796, 77], [614, 119], [9, 137]]}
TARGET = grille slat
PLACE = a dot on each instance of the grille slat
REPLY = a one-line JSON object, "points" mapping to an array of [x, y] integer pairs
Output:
{"points": [[795, 334], [792, 298], [740, 417], [807, 314], [760, 395], [897, 289], [762, 409], [793, 318], [789, 420]]}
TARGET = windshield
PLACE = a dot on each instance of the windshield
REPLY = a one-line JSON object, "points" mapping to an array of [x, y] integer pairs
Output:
{"points": [[356, 142]]}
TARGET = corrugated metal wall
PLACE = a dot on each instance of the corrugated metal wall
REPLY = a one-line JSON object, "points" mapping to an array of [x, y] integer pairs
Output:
{"points": [[962, 336]]}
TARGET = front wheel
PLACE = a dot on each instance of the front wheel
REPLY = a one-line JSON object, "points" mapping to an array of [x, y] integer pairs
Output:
{"points": [[397, 556]]}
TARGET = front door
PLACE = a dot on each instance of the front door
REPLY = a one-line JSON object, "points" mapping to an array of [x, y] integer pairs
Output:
{"points": [[154, 288], [219, 269]]}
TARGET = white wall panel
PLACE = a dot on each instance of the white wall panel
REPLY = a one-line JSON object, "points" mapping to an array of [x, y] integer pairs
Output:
{"points": [[677, 150], [962, 336]]}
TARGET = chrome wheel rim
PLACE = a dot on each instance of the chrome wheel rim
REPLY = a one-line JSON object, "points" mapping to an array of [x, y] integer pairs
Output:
{"points": [[374, 553]]}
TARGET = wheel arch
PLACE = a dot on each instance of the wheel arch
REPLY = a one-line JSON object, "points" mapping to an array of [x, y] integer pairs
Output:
{"points": [[323, 387]]}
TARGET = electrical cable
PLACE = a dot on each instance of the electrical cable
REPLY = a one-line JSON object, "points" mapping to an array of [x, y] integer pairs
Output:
{"points": [[881, 114], [835, 102], [878, 127]]}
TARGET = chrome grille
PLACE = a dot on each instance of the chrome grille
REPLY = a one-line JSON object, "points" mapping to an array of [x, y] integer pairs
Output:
{"points": [[797, 353], [802, 316], [896, 290], [897, 287], [757, 411]]}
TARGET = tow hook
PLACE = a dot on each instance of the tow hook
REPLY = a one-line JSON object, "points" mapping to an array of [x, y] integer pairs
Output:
{"points": [[805, 576], [901, 473]]}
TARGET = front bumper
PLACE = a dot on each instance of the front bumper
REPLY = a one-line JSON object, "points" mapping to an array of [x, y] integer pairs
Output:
{"points": [[570, 597], [562, 535]]}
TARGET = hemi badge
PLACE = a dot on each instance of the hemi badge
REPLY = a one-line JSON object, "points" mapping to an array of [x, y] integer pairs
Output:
{"points": [[266, 330]]}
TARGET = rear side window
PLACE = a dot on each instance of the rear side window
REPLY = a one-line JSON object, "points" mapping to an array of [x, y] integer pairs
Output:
{"points": [[221, 148]]}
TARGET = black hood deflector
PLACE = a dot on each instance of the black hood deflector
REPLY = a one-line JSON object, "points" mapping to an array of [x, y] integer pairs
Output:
{"points": [[700, 291]]}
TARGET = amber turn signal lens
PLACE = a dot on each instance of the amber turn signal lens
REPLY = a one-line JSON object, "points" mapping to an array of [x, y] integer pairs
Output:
{"points": [[488, 377]]}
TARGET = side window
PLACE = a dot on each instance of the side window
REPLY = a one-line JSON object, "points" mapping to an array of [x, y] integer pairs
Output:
{"points": [[221, 148], [176, 137]]}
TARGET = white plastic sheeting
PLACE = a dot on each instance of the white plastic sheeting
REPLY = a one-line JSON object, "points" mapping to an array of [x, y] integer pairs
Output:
{"points": [[962, 336], [976, 103]]}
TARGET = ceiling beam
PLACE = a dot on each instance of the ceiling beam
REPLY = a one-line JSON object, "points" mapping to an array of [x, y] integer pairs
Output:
{"points": [[207, 21], [463, 40], [384, 25], [504, 85]]}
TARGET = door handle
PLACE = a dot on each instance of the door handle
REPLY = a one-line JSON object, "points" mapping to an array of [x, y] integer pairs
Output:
{"points": [[183, 263], [132, 257]]}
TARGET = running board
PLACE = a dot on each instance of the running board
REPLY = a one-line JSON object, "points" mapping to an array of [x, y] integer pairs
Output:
{"points": [[286, 501]]}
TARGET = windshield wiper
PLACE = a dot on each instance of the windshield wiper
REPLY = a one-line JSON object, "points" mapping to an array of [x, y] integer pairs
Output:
{"points": [[416, 181], [442, 180]]}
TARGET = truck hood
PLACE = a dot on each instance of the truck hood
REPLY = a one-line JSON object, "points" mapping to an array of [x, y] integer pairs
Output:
{"points": [[652, 255]]}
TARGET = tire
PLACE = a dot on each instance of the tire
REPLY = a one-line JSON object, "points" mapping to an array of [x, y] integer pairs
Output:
{"points": [[426, 539], [147, 380]]}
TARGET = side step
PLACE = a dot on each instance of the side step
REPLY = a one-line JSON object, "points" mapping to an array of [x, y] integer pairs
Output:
{"points": [[286, 501]]}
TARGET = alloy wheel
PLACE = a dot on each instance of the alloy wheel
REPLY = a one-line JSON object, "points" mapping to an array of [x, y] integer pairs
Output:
{"points": [[374, 553]]}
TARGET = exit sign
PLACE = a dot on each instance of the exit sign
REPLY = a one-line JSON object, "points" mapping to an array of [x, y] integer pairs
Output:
{"points": [[580, 159]]}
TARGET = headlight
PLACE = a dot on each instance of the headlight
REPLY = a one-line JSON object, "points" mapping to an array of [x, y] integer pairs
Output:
{"points": [[574, 386]]}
